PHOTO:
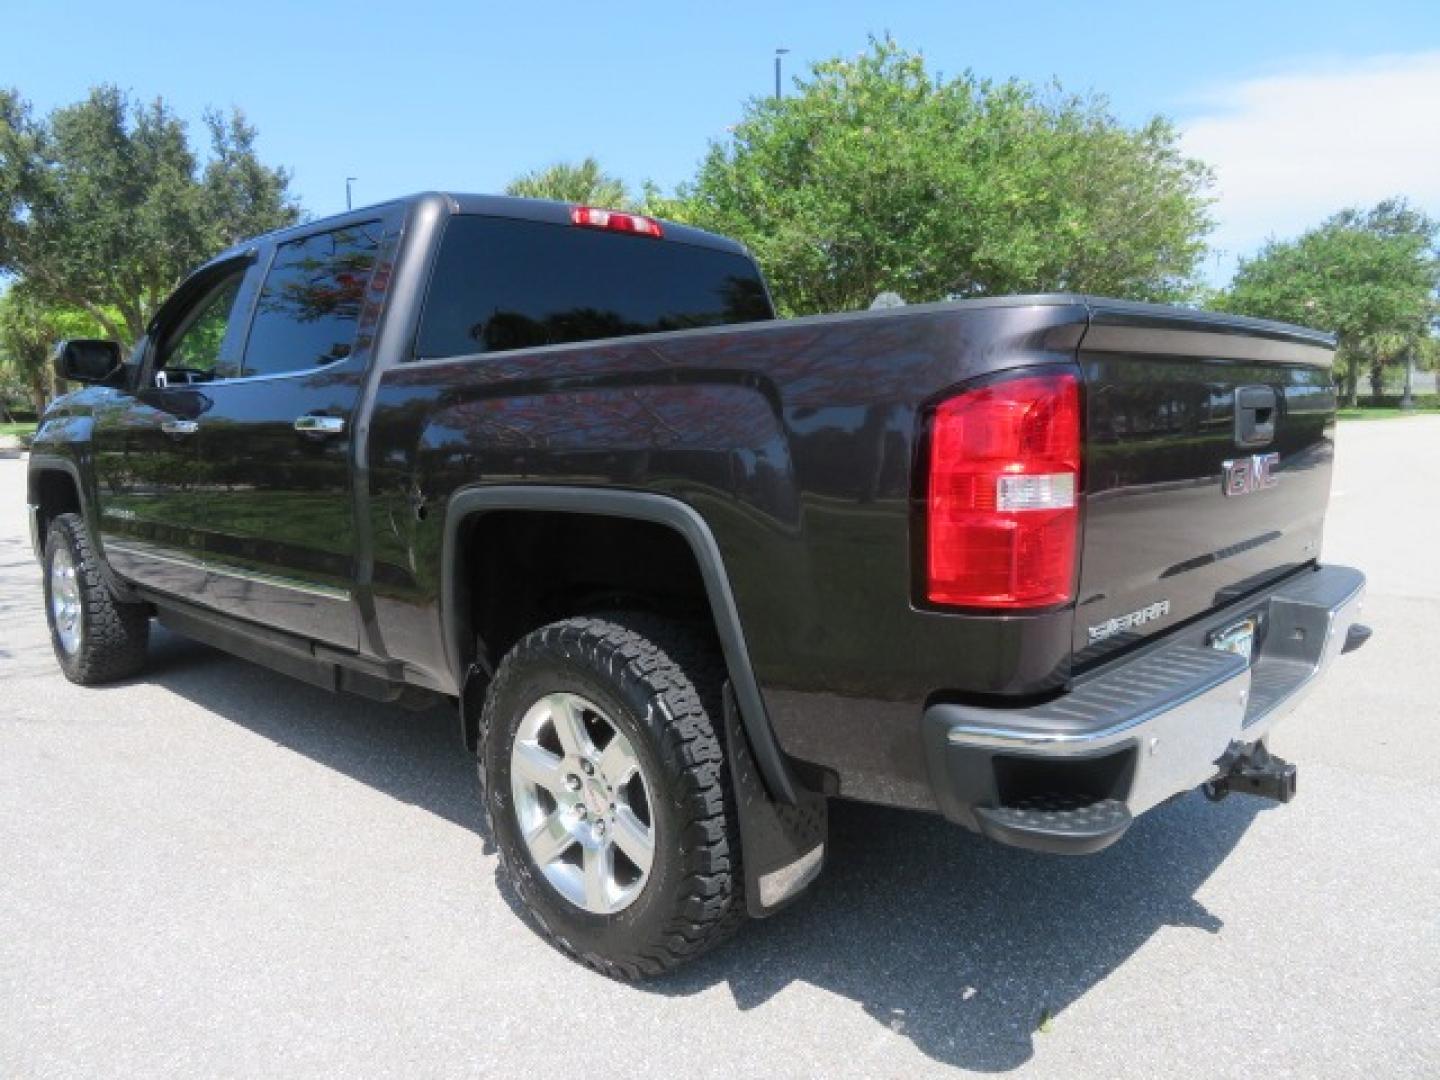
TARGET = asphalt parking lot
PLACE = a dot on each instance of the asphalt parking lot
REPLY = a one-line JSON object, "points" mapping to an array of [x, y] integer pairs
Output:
{"points": [[216, 871]]}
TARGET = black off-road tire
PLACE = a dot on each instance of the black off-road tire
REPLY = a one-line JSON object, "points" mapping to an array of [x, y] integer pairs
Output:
{"points": [[113, 635], [660, 683]]}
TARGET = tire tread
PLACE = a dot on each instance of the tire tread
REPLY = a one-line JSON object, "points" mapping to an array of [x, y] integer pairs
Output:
{"points": [[115, 635], [684, 674]]}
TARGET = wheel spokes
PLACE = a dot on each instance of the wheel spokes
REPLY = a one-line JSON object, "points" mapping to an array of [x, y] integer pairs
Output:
{"points": [[634, 838], [599, 874], [569, 723], [618, 763], [65, 609], [533, 763], [549, 840], [567, 793]]}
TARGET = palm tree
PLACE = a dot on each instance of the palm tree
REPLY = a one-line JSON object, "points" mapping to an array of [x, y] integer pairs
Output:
{"points": [[583, 183]]}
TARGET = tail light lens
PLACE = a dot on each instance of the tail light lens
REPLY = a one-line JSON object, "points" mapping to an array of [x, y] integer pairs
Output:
{"points": [[1002, 517]]}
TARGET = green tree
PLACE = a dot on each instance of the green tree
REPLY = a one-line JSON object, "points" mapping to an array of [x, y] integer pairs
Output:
{"points": [[585, 183], [876, 175], [1370, 276], [29, 329], [104, 206]]}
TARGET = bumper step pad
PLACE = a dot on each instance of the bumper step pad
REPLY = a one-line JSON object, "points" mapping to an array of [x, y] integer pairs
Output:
{"points": [[1056, 823]]}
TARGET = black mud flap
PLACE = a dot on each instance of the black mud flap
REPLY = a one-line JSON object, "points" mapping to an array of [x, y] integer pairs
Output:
{"points": [[472, 701], [783, 845]]}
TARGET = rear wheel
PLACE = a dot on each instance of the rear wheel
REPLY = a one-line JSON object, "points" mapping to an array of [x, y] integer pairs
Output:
{"points": [[97, 637], [607, 794]]}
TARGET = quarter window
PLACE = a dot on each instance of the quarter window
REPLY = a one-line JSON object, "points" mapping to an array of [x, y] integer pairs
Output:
{"points": [[310, 303]]}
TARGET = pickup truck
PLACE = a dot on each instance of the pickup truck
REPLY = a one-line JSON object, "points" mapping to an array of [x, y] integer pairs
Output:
{"points": [[688, 571]]}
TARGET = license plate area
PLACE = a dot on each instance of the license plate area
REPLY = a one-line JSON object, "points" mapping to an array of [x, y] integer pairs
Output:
{"points": [[1237, 638]]}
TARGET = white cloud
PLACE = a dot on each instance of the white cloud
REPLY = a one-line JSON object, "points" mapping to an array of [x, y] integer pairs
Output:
{"points": [[1290, 149]]}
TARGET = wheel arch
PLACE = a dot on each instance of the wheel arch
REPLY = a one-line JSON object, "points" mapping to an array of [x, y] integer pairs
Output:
{"points": [[467, 505], [50, 475], [53, 487]]}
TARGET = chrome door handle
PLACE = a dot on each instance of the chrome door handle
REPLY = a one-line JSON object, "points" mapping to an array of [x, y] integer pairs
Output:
{"points": [[320, 425], [179, 427]]}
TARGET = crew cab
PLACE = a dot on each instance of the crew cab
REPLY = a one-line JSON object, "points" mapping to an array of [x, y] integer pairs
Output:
{"points": [[688, 571]]}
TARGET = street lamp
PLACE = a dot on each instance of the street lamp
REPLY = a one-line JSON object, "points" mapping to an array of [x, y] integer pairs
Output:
{"points": [[348, 181], [778, 54]]}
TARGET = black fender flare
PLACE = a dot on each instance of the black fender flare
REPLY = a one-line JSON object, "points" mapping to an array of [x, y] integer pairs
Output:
{"points": [[42, 462], [466, 503]]}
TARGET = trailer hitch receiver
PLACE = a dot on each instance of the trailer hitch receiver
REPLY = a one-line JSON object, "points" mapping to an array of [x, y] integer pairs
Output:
{"points": [[1252, 770]]}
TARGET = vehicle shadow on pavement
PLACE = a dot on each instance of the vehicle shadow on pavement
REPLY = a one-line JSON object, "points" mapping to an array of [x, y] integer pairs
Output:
{"points": [[415, 756], [964, 947], [968, 948]]}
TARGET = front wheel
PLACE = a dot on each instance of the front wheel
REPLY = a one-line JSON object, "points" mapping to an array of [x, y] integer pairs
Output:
{"points": [[607, 794], [97, 637]]}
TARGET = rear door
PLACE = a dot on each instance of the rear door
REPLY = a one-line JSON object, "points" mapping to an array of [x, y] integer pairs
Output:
{"points": [[275, 445], [1207, 467]]}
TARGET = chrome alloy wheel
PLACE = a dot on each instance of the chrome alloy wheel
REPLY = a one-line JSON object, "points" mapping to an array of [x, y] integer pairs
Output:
{"points": [[582, 802], [65, 609]]}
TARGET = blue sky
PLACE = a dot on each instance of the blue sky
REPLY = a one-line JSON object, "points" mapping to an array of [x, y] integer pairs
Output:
{"points": [[1301, 108]]}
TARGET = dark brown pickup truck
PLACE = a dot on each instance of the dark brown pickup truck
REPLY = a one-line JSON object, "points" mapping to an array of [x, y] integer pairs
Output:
{"points": [[688, 571]]}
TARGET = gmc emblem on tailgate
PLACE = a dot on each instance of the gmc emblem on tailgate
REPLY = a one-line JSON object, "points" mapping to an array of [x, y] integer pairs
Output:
{"points": [[1244, 475]]}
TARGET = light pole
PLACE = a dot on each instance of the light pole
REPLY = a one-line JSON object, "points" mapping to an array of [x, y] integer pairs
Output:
{"points": [[778, 54], [348, 181], [1408, 402]]}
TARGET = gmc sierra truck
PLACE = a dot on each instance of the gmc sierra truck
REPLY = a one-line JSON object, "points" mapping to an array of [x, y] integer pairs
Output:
{"points": [[688, 571]]}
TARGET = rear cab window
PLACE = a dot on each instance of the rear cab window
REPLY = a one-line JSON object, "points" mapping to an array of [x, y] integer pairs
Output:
{"points": [[507, 283]]}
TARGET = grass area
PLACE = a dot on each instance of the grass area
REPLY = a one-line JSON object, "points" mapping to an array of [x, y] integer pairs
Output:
{"points": [[25, 428], [1388, 407], [1386, 412]]}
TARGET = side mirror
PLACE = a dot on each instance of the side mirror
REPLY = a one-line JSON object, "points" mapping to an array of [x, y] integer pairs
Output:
{"points": [[87, 360]]}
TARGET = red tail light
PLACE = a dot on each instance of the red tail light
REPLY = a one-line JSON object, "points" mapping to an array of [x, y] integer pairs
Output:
{"points": [[616, 221], [1002, 516]]}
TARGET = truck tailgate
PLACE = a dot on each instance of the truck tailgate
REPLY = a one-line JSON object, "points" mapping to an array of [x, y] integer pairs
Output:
{"points": [[1207, 465]]}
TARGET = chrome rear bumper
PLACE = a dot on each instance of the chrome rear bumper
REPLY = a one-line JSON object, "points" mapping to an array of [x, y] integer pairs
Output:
{"points": [[1157, 722]]}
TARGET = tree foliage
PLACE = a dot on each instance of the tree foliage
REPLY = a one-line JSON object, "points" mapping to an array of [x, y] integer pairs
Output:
{"points": [[585, 183], [29, 329], [1370, 276], [104, 205], [877, 175]]}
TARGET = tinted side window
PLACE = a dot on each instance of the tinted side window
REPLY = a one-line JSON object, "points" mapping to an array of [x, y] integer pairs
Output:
{"points": [[194, 346], [501, 283], [310, 303]]}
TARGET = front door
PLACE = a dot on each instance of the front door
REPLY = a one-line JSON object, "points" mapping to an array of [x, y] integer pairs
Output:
{"points": [[275, 445], [146, 454]]}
